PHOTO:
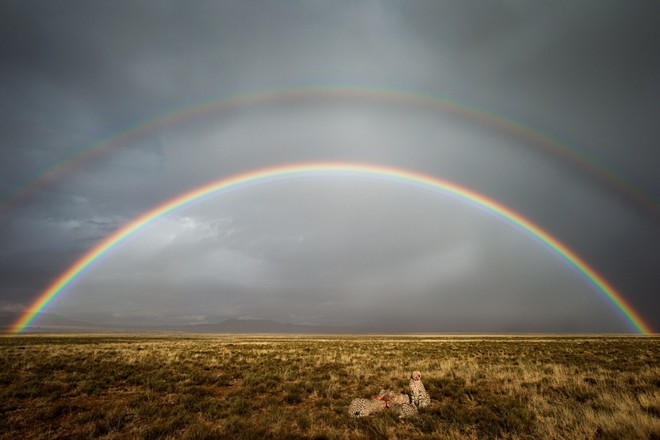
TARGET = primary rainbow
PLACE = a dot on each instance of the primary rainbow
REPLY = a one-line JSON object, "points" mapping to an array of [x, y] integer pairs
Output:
{"points": [[308, 169]]}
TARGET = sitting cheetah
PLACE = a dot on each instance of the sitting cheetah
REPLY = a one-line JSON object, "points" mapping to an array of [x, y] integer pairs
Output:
{"points": [[418, 395], [363, 407]]}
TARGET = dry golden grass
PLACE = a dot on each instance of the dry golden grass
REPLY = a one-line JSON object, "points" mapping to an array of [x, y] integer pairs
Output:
{"points": [[204, 387]]}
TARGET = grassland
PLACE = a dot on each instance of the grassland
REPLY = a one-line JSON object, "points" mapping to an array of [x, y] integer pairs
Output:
{"points": [[204, 387]]}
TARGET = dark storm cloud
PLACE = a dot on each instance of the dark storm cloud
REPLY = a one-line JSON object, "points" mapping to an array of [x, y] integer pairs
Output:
{"points": [[72, 73]]}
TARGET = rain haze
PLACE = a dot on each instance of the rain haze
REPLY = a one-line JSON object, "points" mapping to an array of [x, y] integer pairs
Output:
{"points": [[110, 109]]}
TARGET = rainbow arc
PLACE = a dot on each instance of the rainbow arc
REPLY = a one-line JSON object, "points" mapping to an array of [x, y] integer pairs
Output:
{"points": [[604, 288], [534, 138]]}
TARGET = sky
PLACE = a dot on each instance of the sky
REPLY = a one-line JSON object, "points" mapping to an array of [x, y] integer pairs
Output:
{"points": [[548, 108]]}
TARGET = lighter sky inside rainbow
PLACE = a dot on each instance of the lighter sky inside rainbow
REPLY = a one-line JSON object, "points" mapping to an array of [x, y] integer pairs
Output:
{"points": [[600, 284]]}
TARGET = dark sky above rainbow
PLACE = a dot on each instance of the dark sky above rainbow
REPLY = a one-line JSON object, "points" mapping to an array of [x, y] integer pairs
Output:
{"points": [[111, 109]]}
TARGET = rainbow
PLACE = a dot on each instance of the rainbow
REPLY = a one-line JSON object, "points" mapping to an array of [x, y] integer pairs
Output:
{"points": [[83, 155], [310, 169]]}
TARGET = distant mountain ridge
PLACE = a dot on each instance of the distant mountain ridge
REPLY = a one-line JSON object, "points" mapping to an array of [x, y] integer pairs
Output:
{"points": [[236, 325], [50, 322]]}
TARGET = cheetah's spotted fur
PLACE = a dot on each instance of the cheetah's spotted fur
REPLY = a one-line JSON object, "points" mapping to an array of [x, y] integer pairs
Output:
{"points": [[392, 398], [398, 403], [418, 395], [363, 407], [401, 404], [404, 410]]}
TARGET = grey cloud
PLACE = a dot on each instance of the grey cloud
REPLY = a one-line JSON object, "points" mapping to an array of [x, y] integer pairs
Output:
{"points": [[332, 250]]}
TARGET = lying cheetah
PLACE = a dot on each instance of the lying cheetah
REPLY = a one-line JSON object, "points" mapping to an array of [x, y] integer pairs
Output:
{"points": [[363, 407], [398, 403], [404, 410], [418, 395], [391, 397]]}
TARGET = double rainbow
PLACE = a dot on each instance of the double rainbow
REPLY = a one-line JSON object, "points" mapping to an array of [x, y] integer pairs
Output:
{"points": [[305, 170]]}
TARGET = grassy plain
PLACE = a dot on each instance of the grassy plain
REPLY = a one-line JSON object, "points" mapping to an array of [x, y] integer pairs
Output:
{"points": [[205, 387]]}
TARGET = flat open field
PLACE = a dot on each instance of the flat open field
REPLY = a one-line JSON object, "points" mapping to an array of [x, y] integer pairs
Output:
{"points": [[203, 387]]}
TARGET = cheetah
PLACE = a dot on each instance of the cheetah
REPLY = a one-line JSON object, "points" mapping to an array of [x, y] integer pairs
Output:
{"points": [[418, 395], [404, 410], [398, 403], [391, 397], [363, 407]]}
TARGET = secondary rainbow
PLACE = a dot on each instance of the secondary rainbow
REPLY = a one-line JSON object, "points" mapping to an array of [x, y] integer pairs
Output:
{"points": [[83, 155], [310, 169]]}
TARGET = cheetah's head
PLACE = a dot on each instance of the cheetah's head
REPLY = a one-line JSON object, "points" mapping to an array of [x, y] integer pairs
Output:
{"points": [[383, 396], [416, 375]]}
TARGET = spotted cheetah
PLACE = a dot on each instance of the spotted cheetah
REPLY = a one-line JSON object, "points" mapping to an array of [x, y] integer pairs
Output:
{"points": [[418, 395], [398, 403], [404, 410], [363, 407], [391, 397]]}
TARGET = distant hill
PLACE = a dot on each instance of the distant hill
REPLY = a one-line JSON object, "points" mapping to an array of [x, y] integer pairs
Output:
{"points": [[53, 323], [234, 325]]}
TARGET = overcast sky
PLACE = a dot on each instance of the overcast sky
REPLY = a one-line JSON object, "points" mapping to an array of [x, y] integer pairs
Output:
{"points": [[334, 250]]}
